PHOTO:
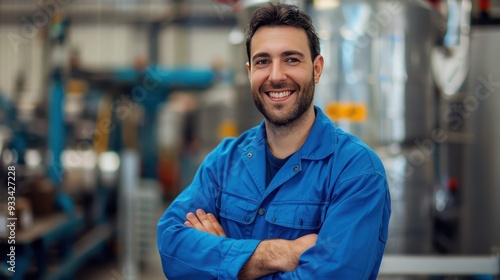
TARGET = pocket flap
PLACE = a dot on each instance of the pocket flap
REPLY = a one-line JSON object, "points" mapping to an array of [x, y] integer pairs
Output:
{"points": [[238, 208], [297, 214]]}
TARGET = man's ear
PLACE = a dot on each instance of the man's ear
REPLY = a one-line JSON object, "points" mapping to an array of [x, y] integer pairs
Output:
{"points": [[248, 69], [318, 64]]}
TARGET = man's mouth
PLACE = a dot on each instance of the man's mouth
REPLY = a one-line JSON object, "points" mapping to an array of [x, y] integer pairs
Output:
{"points": [[279, 94]]}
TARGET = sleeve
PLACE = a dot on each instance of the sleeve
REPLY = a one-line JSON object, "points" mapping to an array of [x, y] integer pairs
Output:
{"points": [[187, 253], [351, 242]]}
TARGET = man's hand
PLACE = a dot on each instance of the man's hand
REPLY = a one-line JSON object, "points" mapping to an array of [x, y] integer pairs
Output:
{"points": [[271, 256], [299, 246], [204, 222], [275, 255]]}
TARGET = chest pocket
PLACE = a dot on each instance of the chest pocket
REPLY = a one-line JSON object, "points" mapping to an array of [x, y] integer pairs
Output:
{"points": [[297, 214], [238, 208]]}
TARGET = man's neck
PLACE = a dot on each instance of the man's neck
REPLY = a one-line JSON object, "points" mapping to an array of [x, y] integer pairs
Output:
{"points": [[284, 141]]}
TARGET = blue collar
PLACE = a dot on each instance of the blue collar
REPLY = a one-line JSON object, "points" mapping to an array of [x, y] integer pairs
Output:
{"points": [[323, 131]]}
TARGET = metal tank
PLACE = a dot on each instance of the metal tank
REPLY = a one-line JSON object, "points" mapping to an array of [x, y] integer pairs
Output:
{"points": [[377, 84], [378, 61], [385, 64], [480, 194]]}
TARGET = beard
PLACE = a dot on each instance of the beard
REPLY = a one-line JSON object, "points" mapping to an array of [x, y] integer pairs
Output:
{"points": [[276, 114]]}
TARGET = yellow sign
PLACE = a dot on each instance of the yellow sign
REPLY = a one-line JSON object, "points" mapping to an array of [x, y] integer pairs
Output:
{"points": [[349, 111], [227, 129]]}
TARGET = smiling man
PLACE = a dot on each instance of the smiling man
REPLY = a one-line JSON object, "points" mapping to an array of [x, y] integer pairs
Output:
{"points": [[293, 198]]}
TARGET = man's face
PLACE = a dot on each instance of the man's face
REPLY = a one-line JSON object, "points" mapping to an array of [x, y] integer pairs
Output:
{"points": [[282, 74]]}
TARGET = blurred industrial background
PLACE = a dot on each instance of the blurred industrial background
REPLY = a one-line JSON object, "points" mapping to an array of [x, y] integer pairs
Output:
{"points": [[107, 107]]}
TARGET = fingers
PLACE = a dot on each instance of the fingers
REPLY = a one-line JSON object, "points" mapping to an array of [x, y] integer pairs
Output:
{"points": [[194, 221], [204, 222], [207, 224], [218, 228]]}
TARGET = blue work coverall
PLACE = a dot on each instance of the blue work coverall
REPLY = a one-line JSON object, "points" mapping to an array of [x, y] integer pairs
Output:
{"points": [[334, 185]]}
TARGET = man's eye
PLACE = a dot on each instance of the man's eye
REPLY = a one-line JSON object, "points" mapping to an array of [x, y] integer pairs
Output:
{"points": [[291, 59], [263, 61]]}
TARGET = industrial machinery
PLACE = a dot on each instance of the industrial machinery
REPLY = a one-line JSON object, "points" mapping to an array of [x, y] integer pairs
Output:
{"points": [[82, 134]]}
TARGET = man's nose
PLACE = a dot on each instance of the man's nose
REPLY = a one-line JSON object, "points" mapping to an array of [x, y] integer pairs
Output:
{"points": [[277, 73]]}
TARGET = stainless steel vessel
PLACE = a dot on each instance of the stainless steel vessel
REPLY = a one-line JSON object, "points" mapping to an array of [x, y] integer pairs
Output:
{"points": [[480, 195], [378, 61], [378, 55], [386, 61]]}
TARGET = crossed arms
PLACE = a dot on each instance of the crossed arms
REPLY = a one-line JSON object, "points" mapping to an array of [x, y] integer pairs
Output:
{"points": [[349, 245], [270, 256]]}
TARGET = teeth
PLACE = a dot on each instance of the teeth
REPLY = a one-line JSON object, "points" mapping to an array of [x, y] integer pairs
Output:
{"points": [[279, 94]]}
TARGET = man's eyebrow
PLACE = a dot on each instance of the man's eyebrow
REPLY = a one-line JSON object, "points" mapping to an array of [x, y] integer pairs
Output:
{"points": [[289, 53], [283, 54], [260, 55]]}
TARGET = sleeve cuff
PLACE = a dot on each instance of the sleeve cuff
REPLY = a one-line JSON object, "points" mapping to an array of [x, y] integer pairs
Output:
{"points": [[238, 255]]}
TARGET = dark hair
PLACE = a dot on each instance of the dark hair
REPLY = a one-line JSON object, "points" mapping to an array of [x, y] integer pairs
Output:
{"points": [[283, 15]]}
